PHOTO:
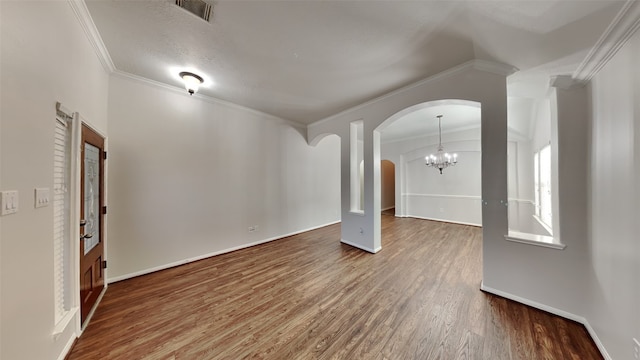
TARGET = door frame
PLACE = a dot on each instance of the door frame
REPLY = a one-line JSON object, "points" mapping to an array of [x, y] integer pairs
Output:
{"points": [[74, 199]]}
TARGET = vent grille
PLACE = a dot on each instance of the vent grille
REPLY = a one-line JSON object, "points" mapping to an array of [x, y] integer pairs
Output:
{"points": [[199, 8]]}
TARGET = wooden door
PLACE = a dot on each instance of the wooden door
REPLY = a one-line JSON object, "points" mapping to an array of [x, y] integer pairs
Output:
{"points": [[91, 220]]}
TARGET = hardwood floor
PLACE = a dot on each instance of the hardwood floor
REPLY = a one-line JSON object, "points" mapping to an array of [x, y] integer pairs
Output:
{"points": [[310, 297]]}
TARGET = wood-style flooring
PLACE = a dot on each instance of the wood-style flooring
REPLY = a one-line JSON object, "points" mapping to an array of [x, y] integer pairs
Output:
{"points": [[310, 297]]}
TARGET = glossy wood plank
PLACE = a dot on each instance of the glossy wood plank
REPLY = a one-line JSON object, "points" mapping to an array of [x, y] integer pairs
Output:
{"points": [[310, 297]]}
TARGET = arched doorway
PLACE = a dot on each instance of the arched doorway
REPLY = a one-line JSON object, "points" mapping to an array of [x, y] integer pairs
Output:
{"points": [[479, 81], [387, 187], [409, 136]]}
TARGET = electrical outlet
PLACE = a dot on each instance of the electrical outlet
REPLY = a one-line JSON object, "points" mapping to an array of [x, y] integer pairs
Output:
{"points": [[636, 349]]}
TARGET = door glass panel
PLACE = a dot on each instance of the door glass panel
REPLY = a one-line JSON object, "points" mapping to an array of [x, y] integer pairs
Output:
{"points": [[91, 196]]}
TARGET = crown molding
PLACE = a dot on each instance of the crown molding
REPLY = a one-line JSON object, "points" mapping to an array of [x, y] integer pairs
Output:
{"points": [[89, 27], [621, 29], [564, 82], [482, 65], [205, 98], [493, 67], [91, 31]]}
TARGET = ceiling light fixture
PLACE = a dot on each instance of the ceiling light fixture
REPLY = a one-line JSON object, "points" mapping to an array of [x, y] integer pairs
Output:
{"points": [[191, 81], [441, 159]]}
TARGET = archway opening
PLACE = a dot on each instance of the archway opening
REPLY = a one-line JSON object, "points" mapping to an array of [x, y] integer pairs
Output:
{"points": [[422, 192], [388, 187]]}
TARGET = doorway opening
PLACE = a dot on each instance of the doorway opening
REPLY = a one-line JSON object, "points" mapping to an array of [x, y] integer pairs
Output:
{"points": [[421, 191], [92, 211], [388, 187]]}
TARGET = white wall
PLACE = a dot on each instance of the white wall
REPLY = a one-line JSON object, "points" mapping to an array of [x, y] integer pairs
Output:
{"points": [[551, 279], [452, 196], [603, 290], [45, 57], [479, 81], [388, 184], [613, 292], [455, 195], [188, 177]]}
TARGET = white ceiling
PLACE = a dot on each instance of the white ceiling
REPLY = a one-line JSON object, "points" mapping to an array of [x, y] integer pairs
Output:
{"points": [[456, 116], [306, 60]]}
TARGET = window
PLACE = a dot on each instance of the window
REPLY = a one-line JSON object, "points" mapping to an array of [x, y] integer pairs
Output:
{"points": [[61, 215], [542, 185], [357, 166]]}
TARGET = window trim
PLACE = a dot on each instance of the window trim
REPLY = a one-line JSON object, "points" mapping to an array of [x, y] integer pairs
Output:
{"points": [[534, 239], [61, 218], [538, 187], [64, 319]]}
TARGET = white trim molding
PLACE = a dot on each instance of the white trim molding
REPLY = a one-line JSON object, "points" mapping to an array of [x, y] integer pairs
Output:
{"points": [[623, 26], [86, 22], [551, 310], [441, 220], [535, 239], [521, 201], [67, 347], [91, 31], [361, 247], [468, 197], [61, 326]]}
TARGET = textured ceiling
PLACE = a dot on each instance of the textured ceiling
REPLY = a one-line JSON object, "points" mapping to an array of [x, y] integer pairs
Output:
{"points": [[455, 117], [306, 60]]}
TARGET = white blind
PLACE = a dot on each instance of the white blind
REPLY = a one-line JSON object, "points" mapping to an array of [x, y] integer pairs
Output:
{"points": [[61, 210]]}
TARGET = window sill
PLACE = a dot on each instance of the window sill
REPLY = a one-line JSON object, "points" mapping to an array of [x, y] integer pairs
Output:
{"points": [[533, 239], [64, 322]]}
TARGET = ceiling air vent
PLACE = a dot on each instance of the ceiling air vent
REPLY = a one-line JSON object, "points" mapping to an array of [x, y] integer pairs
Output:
{"points": [[199, 8]]}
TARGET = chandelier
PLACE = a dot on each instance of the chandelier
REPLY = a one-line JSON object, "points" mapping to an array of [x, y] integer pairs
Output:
{"points": [[441, 159]]}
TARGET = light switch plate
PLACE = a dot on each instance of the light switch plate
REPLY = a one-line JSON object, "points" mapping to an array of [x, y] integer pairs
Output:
{"points": [[41, 197], [9, 202]]}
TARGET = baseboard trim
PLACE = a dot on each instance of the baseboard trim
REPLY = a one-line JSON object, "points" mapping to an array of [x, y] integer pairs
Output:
{"points": [[442, 220], [67, 348], [389, 208], [551, 310], [208, 255], [596, 340], [367, 249]]}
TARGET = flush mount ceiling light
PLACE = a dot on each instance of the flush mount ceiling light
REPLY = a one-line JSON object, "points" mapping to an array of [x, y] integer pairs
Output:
{"points": [[441, 159], [191, 81]]}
